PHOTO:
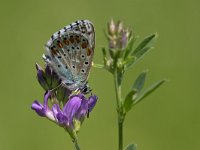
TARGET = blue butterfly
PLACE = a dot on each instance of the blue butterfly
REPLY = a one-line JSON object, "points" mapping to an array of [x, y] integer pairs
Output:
{"points": [[70, 52]]}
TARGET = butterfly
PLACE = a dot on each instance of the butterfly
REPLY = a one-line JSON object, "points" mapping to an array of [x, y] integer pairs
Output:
{"points": [[70, 52]]}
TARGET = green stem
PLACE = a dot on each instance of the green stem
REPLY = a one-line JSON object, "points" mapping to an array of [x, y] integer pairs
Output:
{"points": [[76, 144], [117, 92], [119, 111], [120, 132]]}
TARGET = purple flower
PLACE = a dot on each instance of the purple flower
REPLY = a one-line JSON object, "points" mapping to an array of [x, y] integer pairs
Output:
{"points": [[43, 110], [76, 109], [71, 115]]}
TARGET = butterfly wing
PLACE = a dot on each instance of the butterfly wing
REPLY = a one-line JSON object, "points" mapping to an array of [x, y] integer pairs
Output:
{"points": [[70, 52]]}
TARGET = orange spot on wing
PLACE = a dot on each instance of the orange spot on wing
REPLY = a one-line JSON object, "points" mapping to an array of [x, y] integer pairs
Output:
{"points": [[77, 39], [71, 39], [66, 42], [60, 45], [53, 51], [89, 51], [84, 45]]}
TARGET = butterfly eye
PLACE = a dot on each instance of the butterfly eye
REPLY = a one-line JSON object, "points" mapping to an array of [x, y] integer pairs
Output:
{"points": [[85, 90]]}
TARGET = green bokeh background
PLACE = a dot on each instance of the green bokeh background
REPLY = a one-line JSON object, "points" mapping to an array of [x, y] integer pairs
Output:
{"points": [[169, 119]]}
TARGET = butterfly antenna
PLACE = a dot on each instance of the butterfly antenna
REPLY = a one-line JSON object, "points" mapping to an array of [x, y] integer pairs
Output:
{"points": [[52, 90]]}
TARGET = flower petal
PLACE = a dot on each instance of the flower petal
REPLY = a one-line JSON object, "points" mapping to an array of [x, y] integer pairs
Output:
{"points": [[48, 70], [83, 110], [46, 97], [92, 102], [41, 77], [71, 108], [56, 110], [39, 108]]}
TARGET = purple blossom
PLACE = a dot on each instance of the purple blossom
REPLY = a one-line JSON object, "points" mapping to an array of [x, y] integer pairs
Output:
{"points": [[43, 110], [76, 109]]}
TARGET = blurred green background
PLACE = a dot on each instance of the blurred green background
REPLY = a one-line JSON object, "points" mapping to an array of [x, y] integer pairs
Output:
{"points": [[169, 119]]}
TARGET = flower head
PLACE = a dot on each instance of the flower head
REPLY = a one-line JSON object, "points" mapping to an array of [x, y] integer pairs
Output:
{"points": [[71, 116], [119, 46], [118, 35]]}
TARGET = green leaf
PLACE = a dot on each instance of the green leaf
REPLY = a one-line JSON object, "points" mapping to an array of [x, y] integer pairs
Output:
{"points": [[138, 56], [149, 90], [139, 82], [142, 52], [132, 95], [129, 48], [148, 40], [129, 100], [131, 147]]}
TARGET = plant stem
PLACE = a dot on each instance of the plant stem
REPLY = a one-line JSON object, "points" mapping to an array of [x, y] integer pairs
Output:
{"points": [[120, 134], [76, 144], [119, 111], [117, 92]]}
